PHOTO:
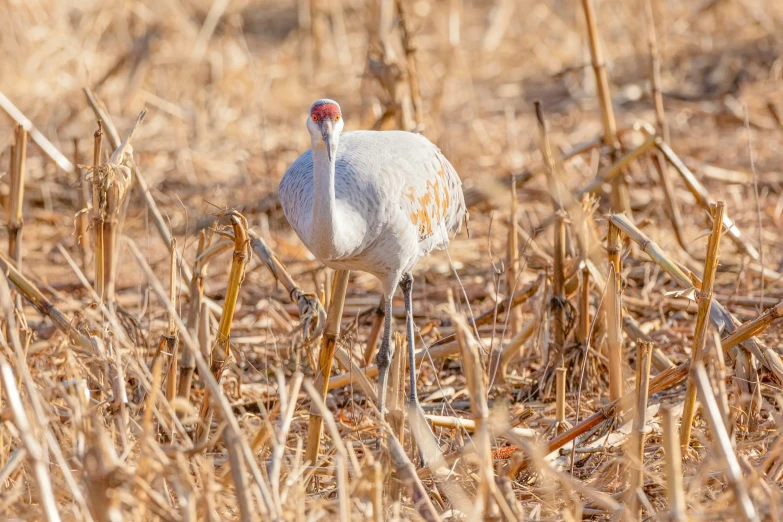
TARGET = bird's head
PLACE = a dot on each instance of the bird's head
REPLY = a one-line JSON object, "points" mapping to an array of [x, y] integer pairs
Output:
{"points": [[325, 123]]}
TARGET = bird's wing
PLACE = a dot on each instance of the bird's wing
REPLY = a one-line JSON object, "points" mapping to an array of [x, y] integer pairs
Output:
{"points": [[379, 174], [296, 192], [432, 197]]}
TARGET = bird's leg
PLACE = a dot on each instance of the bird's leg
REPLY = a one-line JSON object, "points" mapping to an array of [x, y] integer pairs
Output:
{"points": [[406, 284], [383, 359]]}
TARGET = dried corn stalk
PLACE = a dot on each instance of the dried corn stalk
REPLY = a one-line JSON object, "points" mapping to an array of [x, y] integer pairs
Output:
{"points": [[110, 184]]}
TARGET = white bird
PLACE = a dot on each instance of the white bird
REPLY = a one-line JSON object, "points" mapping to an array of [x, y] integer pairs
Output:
{"points": [[374, 201]]}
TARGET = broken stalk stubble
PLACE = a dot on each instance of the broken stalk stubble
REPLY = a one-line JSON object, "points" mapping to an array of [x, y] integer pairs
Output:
{"points": [[188, 362], [16, 195], [702, 319], [172, 339], [614, 324], [643, 359], [221, 347], [619, 196], [325, 360]]}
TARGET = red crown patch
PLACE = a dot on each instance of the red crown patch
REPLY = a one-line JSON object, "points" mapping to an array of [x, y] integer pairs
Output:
{"points": [[325, 111]]}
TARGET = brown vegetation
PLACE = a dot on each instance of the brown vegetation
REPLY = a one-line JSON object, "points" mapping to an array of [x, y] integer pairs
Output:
{"points": [[165, 347]]}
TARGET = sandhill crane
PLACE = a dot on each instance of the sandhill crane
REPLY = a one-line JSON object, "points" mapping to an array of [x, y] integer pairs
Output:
{"points": [[376, 202]]}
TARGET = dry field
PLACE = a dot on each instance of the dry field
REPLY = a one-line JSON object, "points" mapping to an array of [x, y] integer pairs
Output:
{"points": [[131, 258]]}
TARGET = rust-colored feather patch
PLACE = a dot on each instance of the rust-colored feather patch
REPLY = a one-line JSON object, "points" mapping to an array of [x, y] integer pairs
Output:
{"points": [[431, 208]]}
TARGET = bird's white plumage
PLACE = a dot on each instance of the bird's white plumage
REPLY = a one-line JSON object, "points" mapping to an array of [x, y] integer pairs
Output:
{"points": [[396, 199], [375, 202]]}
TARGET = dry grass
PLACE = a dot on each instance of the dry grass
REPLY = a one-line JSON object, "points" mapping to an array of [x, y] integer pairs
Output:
{"points": [[172, 380]]}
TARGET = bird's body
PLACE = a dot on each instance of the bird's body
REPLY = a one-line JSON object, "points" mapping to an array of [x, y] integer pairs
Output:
{"points": [[375, 202], [397, 198]]}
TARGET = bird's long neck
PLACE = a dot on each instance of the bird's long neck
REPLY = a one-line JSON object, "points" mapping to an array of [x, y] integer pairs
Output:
{"points": [[324, 225]]}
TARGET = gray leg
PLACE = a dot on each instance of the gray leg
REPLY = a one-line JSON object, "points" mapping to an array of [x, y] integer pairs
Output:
{"points": [[383, 359], [406, 284]]}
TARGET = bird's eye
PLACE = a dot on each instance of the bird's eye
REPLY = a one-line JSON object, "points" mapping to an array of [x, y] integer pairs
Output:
{"points": [[315, 118], [336, 118]]}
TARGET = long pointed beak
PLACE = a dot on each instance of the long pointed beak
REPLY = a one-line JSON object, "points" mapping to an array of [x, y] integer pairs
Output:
{"points": [[326, 134], [328, 142]]}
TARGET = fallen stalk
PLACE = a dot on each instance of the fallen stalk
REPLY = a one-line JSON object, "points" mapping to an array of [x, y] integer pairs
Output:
{"points": [[603, 177], [663, 381], [235, 442], [703, 197], [500, 360], [522, 296], [39, 139], [43, 305], [723, 443], [446, 347], [443, 350], [719, 316], [35, 451], [477, 388], [753, 328], [445, 421], [406, 473]]}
